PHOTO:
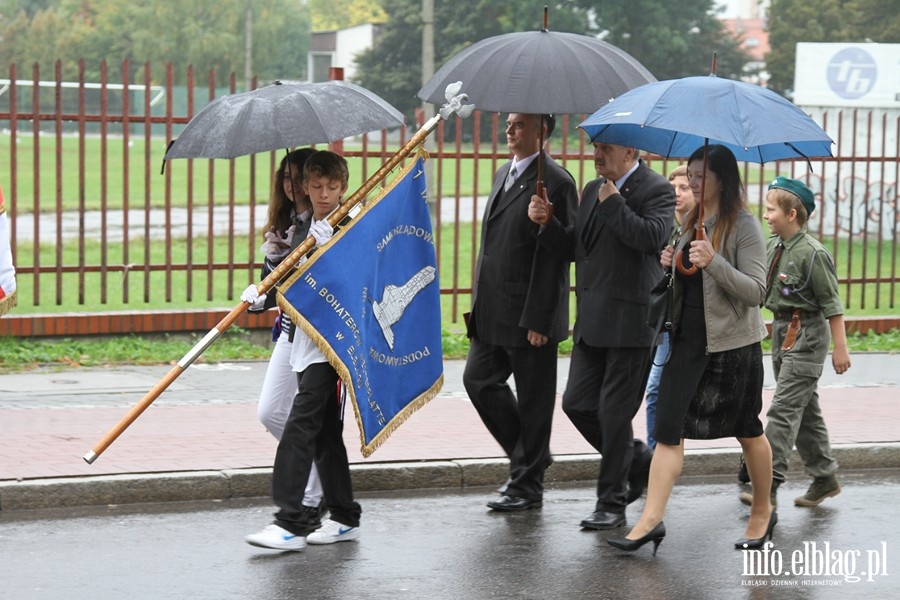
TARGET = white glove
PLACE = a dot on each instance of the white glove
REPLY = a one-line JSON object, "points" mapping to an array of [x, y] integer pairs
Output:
{"points": [[322, 231], [289, 235], [252, 297], [276, 246]]}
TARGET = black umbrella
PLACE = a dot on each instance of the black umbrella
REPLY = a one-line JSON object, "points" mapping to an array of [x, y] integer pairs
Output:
{"points": [[282, 116], [539, 72]]}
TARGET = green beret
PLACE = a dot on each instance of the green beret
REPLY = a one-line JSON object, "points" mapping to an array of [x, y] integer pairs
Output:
{"points": [[797, 188]]}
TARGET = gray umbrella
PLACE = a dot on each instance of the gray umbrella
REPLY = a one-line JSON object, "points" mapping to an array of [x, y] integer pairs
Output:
{"points": [[282, 116], [539, 72]]}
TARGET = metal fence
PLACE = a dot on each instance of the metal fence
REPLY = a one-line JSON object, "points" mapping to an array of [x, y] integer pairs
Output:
{"points": [[95, 225]]}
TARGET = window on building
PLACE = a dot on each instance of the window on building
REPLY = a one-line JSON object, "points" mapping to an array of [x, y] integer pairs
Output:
{"points": [[321, 63]]}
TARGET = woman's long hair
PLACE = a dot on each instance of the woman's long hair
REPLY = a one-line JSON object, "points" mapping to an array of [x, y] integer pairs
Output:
{"points": [[721, 161], [281, 208]]}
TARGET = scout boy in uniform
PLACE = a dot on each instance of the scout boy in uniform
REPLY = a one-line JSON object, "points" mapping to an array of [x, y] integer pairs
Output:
{"points": [[802, 292]]}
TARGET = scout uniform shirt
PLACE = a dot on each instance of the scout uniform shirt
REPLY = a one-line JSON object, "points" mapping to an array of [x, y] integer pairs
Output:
{"points": [[804, 278]]}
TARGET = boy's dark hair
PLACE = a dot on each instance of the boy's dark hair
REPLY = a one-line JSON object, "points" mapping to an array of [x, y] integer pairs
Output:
{"points": [[325, 163]]}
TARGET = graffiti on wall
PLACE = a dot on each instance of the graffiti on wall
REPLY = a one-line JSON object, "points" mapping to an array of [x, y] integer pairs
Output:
{"points": [[852, 205]]}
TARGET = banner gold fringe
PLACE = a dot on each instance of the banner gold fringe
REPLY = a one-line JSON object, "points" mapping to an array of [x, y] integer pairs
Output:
{"points": [[299, 321], [7, 303]]}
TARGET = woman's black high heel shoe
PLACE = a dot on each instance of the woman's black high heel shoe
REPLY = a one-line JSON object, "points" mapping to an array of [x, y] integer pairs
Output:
{"points": [[755, 544], [655, 535]]}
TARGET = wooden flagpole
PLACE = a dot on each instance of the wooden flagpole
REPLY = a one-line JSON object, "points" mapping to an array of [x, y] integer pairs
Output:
{"points": [[454, 106]]}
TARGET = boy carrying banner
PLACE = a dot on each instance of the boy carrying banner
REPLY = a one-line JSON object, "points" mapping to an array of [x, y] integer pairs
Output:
{"points": [[313, 430], [289, 215], [802, 292]]}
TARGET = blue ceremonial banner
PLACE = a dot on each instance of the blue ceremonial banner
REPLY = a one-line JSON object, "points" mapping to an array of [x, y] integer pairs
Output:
{"points": [[370, 300]]}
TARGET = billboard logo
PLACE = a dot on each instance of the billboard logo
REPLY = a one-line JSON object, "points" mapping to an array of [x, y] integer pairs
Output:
{"points": [[852, 73]]}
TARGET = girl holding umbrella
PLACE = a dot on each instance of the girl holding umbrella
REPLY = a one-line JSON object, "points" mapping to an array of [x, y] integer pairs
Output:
{"points": [[712, 385]]}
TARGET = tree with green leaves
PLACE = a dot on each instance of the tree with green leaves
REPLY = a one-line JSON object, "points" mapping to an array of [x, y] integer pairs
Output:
{"points": [[875, 20], [28, 7], [793, 21], [393, 67], [34, 40], [208, 34], [341, 14], [669, 42]]}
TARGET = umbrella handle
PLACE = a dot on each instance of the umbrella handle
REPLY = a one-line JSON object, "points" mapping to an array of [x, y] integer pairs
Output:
{"points": [[683, 268], [539, 188], [701, 230]]}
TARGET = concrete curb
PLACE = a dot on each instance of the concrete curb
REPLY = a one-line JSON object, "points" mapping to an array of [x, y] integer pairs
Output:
{"points": [[463, 473]]}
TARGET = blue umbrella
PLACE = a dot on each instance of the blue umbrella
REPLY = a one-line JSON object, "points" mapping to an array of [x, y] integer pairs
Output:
{"points": [[673, 118]]}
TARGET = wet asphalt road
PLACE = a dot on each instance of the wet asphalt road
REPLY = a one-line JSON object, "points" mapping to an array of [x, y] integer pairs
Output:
{"points": [[447, 545]]}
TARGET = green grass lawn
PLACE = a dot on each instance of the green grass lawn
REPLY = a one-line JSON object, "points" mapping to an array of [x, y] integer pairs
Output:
{"points": [[18, 354], [107, 184], [84, 293], [179, 287], [177, 278]]}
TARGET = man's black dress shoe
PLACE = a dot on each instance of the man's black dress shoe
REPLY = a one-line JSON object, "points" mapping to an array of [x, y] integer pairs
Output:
{"points": [[633, 494], [511, 503], [603, 519], [639, 473], [743, 475]]}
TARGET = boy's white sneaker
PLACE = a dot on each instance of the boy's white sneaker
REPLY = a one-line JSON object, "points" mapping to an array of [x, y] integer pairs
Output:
{"points": [[331, 532], [276, 538]]}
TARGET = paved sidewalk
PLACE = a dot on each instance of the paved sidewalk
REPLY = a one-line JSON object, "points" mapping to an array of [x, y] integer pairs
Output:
{"points": [[206, 421]]}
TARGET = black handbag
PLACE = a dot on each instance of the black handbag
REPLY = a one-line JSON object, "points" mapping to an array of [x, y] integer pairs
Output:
{"points": [[659, 312]]}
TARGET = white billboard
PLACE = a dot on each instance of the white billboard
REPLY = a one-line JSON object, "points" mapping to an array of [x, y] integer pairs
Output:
{"points": [[851, 75]]}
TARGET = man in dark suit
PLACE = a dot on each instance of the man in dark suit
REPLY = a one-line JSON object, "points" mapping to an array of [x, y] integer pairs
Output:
{"points": [[519, 313], [623, 222]]}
